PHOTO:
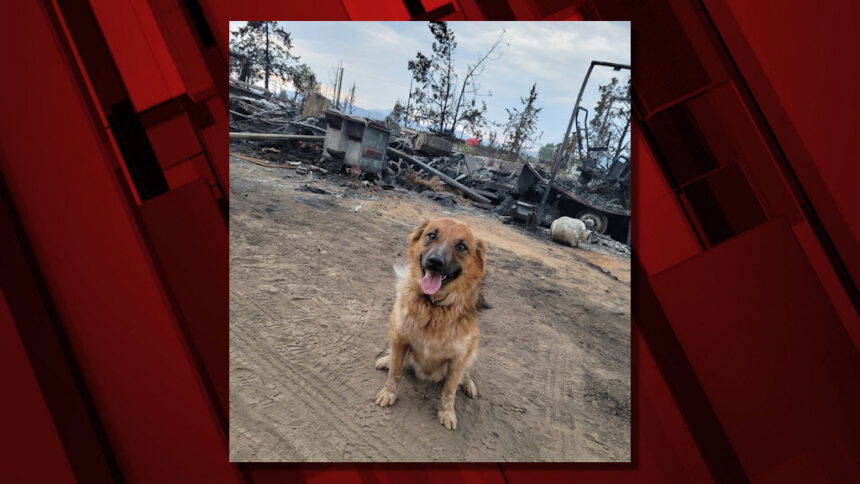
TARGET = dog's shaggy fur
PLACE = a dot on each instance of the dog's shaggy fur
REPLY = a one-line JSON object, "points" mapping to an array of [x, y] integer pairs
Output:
{"points": [[433, 328]]}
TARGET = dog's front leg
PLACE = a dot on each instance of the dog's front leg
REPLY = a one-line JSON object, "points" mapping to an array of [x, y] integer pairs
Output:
{"points": [[388, 395], [456, 369]]}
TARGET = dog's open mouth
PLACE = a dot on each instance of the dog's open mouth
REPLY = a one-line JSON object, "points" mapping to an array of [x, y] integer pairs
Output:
{"points": [[431, 281]]}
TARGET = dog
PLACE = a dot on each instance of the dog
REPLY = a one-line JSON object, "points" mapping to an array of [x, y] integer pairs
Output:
{"points": [[433, 327]]}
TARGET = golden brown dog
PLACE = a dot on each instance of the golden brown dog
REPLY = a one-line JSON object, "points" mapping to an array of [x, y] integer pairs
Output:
{"points": [[433, 327]]}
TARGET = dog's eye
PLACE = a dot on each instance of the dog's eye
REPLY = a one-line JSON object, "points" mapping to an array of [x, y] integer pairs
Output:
{"points": [[431, 236], [462, 247]]}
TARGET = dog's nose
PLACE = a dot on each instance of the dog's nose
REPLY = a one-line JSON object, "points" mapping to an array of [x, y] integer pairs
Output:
{"points": [[434, 262]]}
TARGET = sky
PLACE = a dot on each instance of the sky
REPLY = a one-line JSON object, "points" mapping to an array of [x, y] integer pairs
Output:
{"points": [[555, 55]]}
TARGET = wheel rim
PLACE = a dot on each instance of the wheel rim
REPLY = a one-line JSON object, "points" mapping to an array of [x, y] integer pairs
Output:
{"points": [[595, 222]]}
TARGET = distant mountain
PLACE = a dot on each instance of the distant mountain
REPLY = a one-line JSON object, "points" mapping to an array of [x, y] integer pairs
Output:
{"points": [[378, 114]]}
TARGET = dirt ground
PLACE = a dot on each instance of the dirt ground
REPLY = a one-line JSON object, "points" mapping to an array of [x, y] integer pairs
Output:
{"points": [[311, 286]]}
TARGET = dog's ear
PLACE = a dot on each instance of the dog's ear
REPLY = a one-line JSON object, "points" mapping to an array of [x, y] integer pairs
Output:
{"points": [[480, 252], [416, 235]]}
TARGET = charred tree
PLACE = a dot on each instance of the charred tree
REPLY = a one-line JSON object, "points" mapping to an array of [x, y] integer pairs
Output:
{"points": [[441, 99], [266, 48], [522, 124]]}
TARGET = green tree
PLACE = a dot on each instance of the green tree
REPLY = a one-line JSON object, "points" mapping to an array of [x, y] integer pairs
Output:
{"points": [[398, 113], [434, 78], [609, 125], [304, 81], [266, 50], [492, 141], [547, 152], [546, 155]]}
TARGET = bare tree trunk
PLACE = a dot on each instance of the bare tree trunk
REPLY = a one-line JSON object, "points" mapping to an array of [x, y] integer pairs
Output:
{"points": [[621, 140], [516, 146], [408, 103], [469, 74], [604, 126], [268, 60], [444, 114], [459, 103], [350, 100], [339, 83], [245, 73]]}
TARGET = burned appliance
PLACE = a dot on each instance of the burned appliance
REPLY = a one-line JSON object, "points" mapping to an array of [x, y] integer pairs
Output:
{"points": [[361, 143]]}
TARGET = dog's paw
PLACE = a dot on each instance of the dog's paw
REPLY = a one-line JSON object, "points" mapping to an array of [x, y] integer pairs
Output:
{"points": [[469, 388], [386, 397], [448, 419], [382, 362]]}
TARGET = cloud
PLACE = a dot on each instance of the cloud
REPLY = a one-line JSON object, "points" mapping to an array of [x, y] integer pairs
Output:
{"points": [[554, 55]]}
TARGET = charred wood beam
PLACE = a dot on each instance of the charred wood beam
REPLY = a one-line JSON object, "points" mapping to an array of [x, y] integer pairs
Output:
{"points": [[297, 137], [450, 181]]}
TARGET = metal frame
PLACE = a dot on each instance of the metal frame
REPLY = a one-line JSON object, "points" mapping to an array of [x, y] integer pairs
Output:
{"points": [[559, 154]]}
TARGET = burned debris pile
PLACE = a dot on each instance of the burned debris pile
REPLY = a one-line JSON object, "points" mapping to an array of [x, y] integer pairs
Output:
{"points": [[268, 130]]}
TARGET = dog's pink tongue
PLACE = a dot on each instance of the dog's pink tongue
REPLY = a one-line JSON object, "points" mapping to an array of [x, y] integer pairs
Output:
{"points": [[431, 282]]}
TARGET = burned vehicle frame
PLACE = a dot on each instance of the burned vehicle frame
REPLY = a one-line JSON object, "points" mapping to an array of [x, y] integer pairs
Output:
{"points": [[555, 200], [599, 216]]}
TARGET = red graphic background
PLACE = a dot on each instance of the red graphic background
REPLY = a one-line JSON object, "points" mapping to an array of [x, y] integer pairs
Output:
{"points": [[114, 220]]}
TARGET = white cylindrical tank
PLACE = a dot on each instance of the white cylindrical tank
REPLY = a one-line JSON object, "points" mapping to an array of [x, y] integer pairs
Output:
{"points": [[570, 231]]}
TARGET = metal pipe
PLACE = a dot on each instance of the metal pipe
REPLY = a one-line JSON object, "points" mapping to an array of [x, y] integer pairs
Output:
{"points": [[306, 125], [298, 137], [579, 138], [454, 183]]}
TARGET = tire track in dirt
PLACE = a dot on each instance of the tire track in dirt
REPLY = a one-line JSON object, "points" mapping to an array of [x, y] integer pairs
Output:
{"points": [[318, 402], [307, 378], [303, 448], [273, 368]]}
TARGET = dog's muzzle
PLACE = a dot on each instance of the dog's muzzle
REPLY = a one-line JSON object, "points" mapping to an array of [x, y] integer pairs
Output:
{"points": [[437, 269]]}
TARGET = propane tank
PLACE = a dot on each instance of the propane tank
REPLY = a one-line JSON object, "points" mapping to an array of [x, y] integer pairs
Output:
{"points": [[570, 231]]}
